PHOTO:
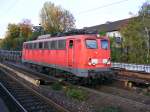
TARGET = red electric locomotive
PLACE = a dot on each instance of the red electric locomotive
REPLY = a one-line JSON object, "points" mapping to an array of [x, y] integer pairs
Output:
{"points": [[85, 55]]}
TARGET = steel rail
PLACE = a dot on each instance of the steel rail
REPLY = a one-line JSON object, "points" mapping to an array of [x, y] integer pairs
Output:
{"points": [[13, 98], [47, 100]]}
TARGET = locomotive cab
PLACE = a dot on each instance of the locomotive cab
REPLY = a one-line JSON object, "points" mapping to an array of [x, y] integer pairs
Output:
{"points": [[98, 52], [92, 56]]}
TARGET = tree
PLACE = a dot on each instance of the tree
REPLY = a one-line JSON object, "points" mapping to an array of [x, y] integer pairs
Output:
{"points": [[56, 19], [25, 28], [13, 31], [16, 34], [136, 38], [115, 50], [144, 14], [133, 42]]}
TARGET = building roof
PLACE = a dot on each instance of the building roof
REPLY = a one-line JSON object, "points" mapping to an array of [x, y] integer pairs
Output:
{"points": [[109, 26]]}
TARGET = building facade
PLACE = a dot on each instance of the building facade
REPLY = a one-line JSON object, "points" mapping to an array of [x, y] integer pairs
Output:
{"points": [[112, 29]]}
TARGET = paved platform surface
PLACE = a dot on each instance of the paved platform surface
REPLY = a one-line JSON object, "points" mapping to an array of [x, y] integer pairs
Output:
{"points": [[3, 107]]}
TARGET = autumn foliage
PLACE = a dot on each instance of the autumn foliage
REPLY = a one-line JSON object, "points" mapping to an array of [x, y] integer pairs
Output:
{"points": [[56, 19], [16, 34], [53, 19]]}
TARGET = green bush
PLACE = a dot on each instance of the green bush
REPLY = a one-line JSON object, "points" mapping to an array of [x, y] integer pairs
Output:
{"points": [[76, 94], [110, 109], [56, 86]]}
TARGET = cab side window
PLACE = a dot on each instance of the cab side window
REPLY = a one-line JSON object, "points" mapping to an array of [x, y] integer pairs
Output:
{"points": [[70, 43]]}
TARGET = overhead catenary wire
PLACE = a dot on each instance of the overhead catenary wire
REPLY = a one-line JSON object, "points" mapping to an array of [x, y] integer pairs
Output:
{"points": [[103, 6]]}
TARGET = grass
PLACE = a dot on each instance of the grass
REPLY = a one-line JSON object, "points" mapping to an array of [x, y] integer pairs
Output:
{"points": [[110, 109], [76, 93], [70, 91]]}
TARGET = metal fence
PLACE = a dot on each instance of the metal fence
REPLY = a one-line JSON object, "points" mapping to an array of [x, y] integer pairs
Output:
{"points": [[134, 67], [10, 55]]}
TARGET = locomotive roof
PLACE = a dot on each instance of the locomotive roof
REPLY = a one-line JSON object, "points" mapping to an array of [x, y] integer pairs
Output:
{"points": [[64, 37]]}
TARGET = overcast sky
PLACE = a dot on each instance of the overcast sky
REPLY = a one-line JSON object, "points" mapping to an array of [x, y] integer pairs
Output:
{"points": [[86, 12]]}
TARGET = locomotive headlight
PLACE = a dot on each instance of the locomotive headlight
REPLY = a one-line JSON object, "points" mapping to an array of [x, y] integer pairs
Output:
{"points": [[94, 61], [106, 61]]}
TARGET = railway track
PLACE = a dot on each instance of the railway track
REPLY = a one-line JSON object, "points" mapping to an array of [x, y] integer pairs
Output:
{"points": [[120, 75], [128, 81], [110, 91], [26, 99], [44, 79], [10, 100], [135, 95], [134, 76], [113, 88], [62, 102], [128, 77]]}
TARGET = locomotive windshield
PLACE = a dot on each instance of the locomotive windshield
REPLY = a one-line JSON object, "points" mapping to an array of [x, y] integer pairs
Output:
{"points": [[104, 44], [92, 44]]}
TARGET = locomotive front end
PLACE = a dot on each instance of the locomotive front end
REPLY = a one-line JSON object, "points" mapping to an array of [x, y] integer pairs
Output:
{"points": [[96, 57]]}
